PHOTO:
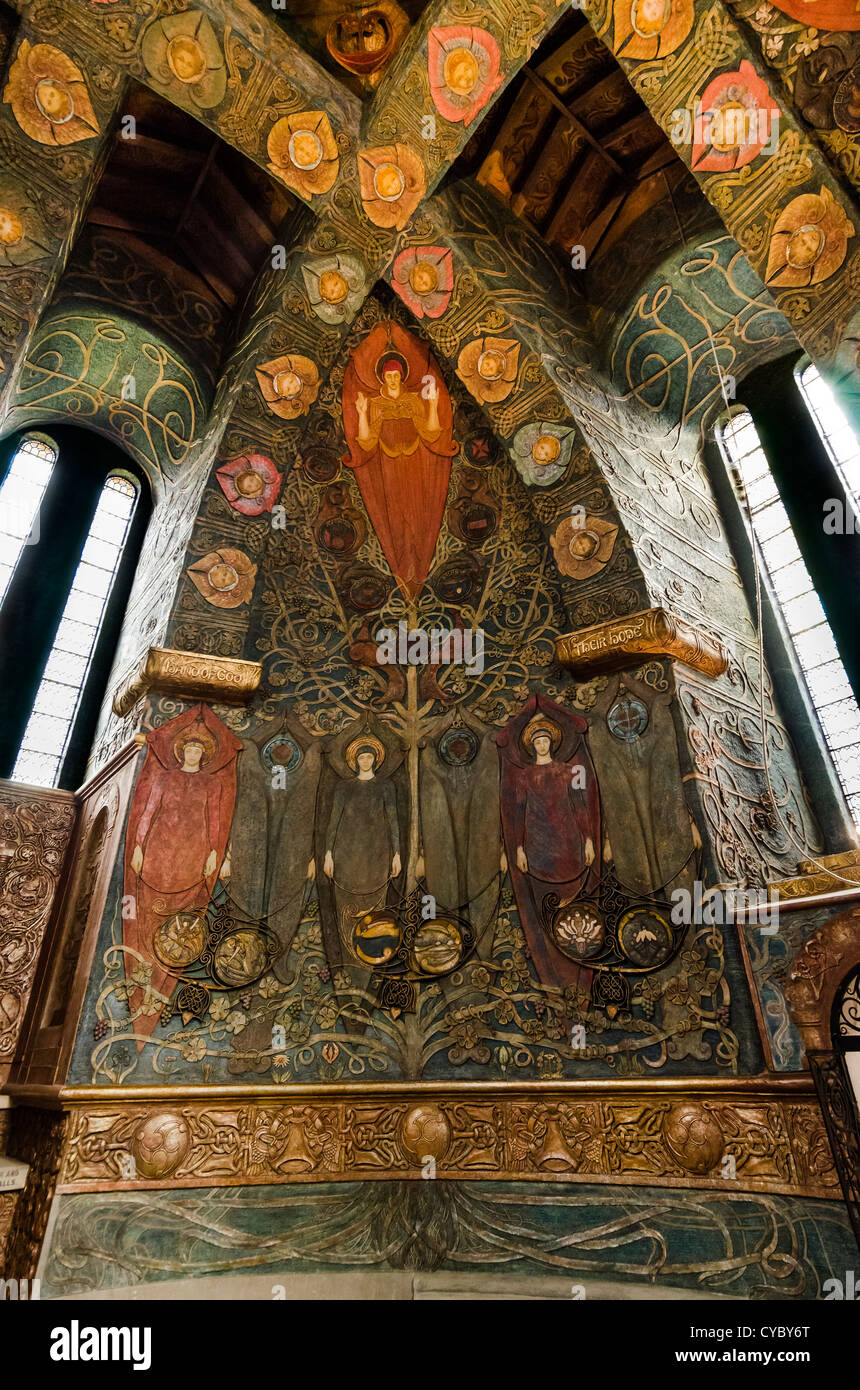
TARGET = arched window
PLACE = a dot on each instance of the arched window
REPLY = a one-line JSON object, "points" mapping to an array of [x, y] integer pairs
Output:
{"points": [[836, 434], [58, 698], [72, 515], [20, 499], [795, 598]]}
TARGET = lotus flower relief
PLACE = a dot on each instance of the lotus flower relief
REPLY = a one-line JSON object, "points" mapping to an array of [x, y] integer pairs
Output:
{"points": [[809, 241], [303, 153], [542, 452], [488, 368], [250, 483], [423, 276], [738, 114], [224, 577], [49, 96], [650, 28], [182, 55], [465, 69], [335, 286], [289, 385], [392, 184]]}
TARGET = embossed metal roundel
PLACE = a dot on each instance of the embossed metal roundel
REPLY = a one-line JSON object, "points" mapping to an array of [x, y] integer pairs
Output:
{"points": [[627, 719], [283, 752]]}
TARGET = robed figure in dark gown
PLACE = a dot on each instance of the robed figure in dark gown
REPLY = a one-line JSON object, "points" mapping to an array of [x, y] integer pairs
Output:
{"points": [[551, 824], [360, 845], [399, 427]]}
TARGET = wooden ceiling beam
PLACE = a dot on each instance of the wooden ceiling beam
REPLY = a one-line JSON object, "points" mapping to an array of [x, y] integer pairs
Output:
{"points": [[572, 119]]}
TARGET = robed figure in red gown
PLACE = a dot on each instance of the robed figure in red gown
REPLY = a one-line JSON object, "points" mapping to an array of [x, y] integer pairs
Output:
{"points": [[551, 824], [399, 427], [178, 830]]}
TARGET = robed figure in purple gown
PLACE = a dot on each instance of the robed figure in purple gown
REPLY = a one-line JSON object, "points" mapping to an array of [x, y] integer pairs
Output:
{"points": [[551, 824]]}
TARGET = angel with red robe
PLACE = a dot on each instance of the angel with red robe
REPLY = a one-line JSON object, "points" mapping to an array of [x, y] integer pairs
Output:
{"points": [[176, 842], [399, 427]]}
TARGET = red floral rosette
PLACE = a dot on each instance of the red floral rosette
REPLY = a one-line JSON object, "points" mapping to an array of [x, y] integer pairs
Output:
{"points": [[423, 276], [737, 114], [250, 483], [465, 69]]}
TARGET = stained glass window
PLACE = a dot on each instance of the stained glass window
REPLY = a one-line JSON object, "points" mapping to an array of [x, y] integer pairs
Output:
{"points": [[47, 734], [826, 679]]}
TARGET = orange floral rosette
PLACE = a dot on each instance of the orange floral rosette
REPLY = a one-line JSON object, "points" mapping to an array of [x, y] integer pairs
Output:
{"points": [[392, 184], [303, 153], [650, 28], [809, 241], [582, 550], [289, 385], [488, 367], [224, 577], [49, 97]]}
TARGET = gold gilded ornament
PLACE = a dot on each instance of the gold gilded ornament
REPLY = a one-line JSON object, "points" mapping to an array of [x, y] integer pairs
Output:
{"points": [[809, 241], [49, 97], [289, 385], [488, 367], [583, 550], [392, 184], [224, 577], [303, 152], [182, 55]]}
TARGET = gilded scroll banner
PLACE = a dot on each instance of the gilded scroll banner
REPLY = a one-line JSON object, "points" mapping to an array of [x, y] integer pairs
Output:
{"points": [[653, 632], [725, 1141], [189, 675]]}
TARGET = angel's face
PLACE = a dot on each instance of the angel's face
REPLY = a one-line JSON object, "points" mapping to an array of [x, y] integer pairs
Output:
{"points": [[393, 382]]}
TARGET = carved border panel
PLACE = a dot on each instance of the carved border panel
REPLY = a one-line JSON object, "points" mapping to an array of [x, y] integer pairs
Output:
{"points": [[35, 829], [726, 1141]]}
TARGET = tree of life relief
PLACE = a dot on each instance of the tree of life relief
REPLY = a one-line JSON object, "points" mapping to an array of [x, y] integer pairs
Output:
{"points": [[423, 850]]}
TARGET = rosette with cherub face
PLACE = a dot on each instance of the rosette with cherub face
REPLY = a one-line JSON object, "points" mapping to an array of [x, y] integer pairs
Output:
{"points": [[303, 152], [809, 241], [250, 483], [464, 66], [583, 544], [542, 452], [488, 367], [48, 96], [423, 276], [224, 577], [335, 286], [392, 183], [289, 385]]}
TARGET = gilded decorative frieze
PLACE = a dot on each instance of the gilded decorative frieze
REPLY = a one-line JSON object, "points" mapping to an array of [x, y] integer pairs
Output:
{"points": [[190, 675], [650, 633], [724, 1138], [829, 874]]}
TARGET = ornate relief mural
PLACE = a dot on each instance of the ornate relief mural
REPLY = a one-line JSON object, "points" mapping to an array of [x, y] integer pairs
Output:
{"points": [[399, 478]]}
